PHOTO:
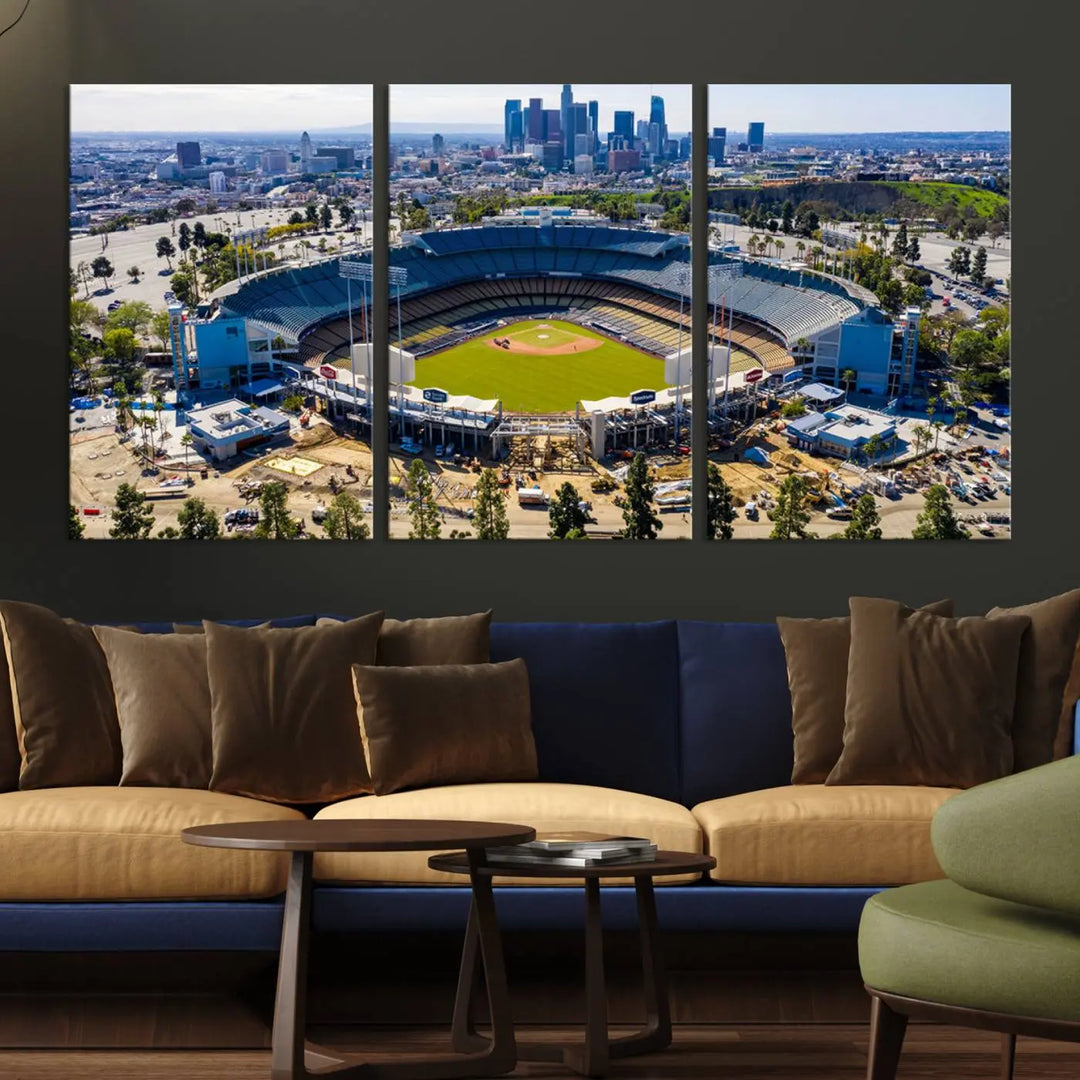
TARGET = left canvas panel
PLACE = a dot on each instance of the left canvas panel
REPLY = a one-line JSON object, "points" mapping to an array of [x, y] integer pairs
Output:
{"points": [[209, 321]]}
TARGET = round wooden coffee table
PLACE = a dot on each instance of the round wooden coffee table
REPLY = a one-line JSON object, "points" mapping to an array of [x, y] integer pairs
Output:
{"points": [[290, 1059], [592, 1057]]}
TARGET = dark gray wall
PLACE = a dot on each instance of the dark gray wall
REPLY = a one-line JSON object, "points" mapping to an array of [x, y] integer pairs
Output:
{"points": [[65, 41]]}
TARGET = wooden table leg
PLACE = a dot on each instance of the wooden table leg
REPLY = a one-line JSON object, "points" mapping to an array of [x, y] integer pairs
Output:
{"points": [[656, 1034], [592, 1059], [1008, 1056], [290, 1003], [463, 1035]]}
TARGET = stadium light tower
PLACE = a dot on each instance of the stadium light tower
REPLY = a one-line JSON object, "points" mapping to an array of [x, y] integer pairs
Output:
{"points": [[356, 270]]}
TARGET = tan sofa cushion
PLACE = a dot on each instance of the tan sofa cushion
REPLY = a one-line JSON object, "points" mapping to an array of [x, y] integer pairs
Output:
{"points": [[810, 834], [113, 843], [546, 807]]}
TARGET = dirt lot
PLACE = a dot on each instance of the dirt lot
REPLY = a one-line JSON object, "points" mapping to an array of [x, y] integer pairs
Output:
{"points": [[100, 463]]}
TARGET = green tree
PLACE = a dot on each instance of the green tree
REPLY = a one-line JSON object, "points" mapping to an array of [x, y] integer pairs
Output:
{"points": [[295, 218], [186, 205], [326, 216], [76, 528], [133, 273], [183, 287], [978, 266], [198, 235], [872, 448], [132, 517], [133, 315], [565, 515], [936, 520], [159, 328], [197, 521], [642, 521], [275, 521], [183, 238], [913, 252], [170, 532], [793, 409], [423, 510], [790, 518], [787, 214], [121, 359], [311, 213], [720, 508], [165, 250], [848, 377], [900, 242], [102, 268], [345, 213], [489, 513], [865, 523], [345, 518]]}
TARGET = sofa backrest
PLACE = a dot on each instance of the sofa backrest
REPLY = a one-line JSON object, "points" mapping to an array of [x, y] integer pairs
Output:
{"points": [[605, 701], [736, 710]]}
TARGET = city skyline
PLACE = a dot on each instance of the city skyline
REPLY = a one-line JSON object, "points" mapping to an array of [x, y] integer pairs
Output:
{"points": [[836, 108], [483, 103]]}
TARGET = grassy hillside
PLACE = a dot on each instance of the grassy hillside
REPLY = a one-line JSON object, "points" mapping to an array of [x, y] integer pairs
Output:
{"points": [[854, 197], [935, 195]]}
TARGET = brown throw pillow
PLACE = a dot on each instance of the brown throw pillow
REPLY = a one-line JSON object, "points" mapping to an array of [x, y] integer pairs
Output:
{"points": [[9, 740], [929, 700], [1046, 657], [62, 698], [445, 724], [816, 651], [163, 704], [197, 628], [282, 711], [452, 639]]}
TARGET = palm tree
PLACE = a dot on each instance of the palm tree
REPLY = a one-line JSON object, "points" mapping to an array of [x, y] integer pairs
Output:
{"points": [[802, 347], [819, 253], [872, 448], [187, 441], [779, 245], [848, 376], [82, 272], [800, 248], [752, 243]]}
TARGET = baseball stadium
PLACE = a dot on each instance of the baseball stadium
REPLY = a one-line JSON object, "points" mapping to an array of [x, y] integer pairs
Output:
{"points": [[559, 328]]}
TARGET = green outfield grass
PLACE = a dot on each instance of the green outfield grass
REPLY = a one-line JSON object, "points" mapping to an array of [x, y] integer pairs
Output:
{"points": [[527, 383]]}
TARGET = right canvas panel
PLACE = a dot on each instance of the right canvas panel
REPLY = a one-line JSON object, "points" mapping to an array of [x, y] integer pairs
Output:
{"points": [[859, 312]]}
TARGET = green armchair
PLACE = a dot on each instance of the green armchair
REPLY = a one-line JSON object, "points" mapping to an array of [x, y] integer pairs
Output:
{"points": [[997, 944]]}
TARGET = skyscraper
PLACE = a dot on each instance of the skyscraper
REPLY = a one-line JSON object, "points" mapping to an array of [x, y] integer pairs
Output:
{"points": [[552, 128], [517, 131], [513, 105], [656, 117], [594, 124], [565, 102], [536, 120], [188, 155], [575, 123], [624, 124], [755, 137], [305, 152], [718, 144], [437, 144]]}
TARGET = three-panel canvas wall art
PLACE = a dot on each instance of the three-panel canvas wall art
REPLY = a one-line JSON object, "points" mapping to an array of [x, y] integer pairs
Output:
{"points": [[544, 363]]}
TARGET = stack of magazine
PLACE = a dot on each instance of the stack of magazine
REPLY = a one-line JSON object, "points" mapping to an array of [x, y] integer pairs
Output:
{"points": [[575, 849]]}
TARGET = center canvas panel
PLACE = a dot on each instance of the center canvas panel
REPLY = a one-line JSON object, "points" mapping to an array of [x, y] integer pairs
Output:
{"points": [[540, 312]]}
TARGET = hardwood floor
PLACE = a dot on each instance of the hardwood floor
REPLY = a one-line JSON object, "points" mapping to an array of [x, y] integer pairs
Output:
{"points": [[705, 1051]]}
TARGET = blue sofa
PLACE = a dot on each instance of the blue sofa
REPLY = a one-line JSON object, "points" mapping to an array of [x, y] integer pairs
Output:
{"points": [[686, 712]]}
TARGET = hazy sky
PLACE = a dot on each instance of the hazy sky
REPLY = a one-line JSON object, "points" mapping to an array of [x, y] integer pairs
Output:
{"points": [[790, 107], [864, 107], [196, 107], [484, 104]]}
